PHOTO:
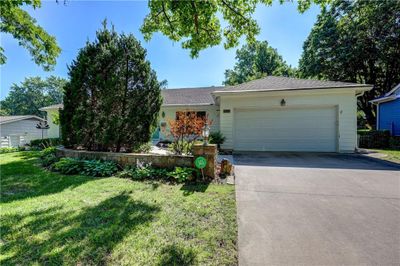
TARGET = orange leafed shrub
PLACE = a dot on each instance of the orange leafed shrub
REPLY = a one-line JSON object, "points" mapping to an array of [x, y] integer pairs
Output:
{"points": [[186, 128]]}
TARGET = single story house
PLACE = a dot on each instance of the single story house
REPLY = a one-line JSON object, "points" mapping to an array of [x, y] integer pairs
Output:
{"points": [[388, 111], [18, 130], [273, 113]]}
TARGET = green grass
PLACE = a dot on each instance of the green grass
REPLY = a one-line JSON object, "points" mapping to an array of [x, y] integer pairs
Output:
{"points": [[391, 155], [52, 219]]}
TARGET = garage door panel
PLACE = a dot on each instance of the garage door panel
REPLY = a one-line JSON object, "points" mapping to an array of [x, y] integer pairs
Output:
{"points": [[285, 130]]}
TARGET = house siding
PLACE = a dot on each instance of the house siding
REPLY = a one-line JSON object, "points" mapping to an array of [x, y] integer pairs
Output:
{"points": [[24, 128], [389, 116], [343, 100]]}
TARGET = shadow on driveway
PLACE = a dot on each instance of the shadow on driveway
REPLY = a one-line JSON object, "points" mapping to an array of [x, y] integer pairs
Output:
{"points": [[311, 160]]}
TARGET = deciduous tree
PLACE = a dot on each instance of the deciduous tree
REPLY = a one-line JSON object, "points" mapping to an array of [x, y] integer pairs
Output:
{"points": [[356, 41], [24, 28], [197, 24], [255, 61], [32, 94]]}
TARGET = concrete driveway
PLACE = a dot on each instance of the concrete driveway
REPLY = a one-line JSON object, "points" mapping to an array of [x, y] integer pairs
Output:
{"points": [[317, 209]]}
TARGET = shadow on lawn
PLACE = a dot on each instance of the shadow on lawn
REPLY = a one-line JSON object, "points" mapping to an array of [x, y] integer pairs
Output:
{"points": [[26, 178], [175, 255], [190, 188], [57, 237]]}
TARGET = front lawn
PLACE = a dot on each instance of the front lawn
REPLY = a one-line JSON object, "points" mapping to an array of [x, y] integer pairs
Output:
{"points": [[53, 219], [390, 155]]}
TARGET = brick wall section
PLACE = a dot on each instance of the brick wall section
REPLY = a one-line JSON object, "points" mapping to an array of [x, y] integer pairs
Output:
{"points": [[156, 160]]}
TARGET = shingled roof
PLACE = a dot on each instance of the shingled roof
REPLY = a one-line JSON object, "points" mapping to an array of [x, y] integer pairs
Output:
{"points": [[189, 96], [272, 83], [13, 118], [54, 106]]}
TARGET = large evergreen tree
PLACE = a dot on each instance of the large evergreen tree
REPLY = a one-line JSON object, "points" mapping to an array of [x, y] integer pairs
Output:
{"points": [[356, 41], [113, 97], [255, 61]]}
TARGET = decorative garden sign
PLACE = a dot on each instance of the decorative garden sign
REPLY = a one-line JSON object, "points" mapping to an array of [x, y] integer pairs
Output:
{"points": [[200, 162]]}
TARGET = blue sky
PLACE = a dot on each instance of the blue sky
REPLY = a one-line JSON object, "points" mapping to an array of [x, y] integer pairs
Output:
{"points": [[77, 21]]}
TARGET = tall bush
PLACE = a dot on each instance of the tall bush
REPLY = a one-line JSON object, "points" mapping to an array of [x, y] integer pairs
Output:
{"points": [[113, 97]]}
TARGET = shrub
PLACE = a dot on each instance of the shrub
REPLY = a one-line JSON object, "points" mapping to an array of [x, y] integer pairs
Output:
{"points": [[376, 139], [48, 160], [394, 142], [185, 129], [48, 151], [159, 173], [217, 138], [8, 150], [69, 166], [99, 168], [183, 174], [44, 143], [120, 114]]}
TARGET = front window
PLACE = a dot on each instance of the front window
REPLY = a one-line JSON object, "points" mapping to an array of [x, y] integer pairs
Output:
{"points": [[199, 114]]}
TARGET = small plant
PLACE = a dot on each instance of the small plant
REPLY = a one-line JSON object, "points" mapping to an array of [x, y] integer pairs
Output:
{"points": [[181, 147], [69, 166], [159, 173], [48, 151], [48, 156], [126, 173], [217, 138], [99, 168], [48, 160], [182, 174]]}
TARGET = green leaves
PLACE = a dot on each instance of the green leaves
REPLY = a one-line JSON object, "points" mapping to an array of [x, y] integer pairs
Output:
{"points": [[197, 24], [255, 61], [356, 41], [113, 97], [33, 93], [17, 22]]}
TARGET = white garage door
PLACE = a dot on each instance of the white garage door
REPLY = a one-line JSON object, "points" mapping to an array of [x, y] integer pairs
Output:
{"points": [[311, 129]]}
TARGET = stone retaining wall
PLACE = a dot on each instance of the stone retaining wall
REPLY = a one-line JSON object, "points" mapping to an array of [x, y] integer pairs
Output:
{"points": [[123, 159]]}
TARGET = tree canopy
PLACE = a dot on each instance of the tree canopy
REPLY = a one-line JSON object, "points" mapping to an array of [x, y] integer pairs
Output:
{"points": [[33, 93], [198, 24], [356, 41], [113, 97], [255, 61], [17, 22]]}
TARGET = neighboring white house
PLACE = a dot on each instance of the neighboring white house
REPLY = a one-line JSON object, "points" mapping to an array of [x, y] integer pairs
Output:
{"points": [[52, 117], [274, 113], [18, 130]]}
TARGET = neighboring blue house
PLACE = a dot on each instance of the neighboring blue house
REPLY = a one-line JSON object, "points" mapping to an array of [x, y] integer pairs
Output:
{"points": [[388, 111]]}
